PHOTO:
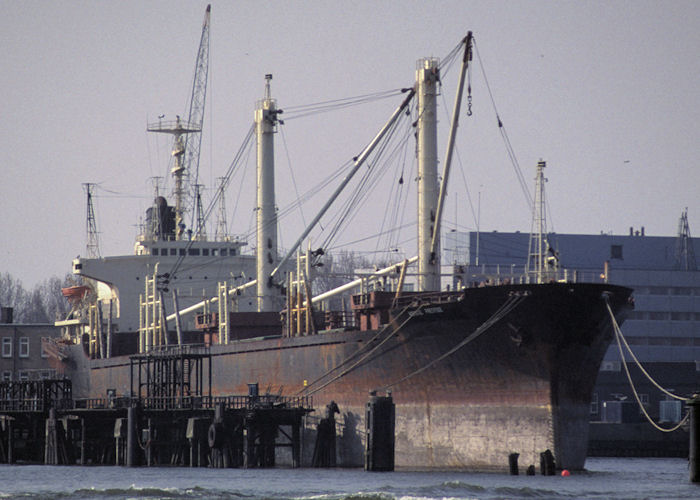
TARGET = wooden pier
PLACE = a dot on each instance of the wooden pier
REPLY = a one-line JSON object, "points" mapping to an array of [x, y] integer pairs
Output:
{"points": [[169, 419]]}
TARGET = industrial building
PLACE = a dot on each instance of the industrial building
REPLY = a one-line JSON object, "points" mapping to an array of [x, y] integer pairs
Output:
{"points": [[21, 354]]}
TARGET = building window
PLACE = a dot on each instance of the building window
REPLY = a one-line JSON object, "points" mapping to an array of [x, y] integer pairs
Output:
{"points": [[6, 376], [616, 252], [681, 316], [636, 315], [24, 347], [7, 347], [610, 366], [224, 252], [670, 411], [644, 398], [23, 376], [594, 404], [193, 251], [173, 251]]}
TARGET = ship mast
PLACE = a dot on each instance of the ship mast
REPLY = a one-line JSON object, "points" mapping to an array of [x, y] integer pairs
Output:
{"points": [[177, 129], [685, 253], [185, 150], [266, 253], [93, 242], [201, 228], [542, 260], [221, 224], [427, 80]]}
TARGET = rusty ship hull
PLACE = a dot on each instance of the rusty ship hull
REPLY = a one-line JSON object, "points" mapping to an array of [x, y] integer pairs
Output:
{"points": [[475, 376]]}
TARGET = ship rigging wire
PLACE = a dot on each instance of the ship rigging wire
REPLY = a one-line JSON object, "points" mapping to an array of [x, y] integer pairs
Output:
{"points": [[504, 134], [293, 113], [393, 230], [304, 110], [360, 352], [447, 62], [291, 174], [372, 173], [508, 306], [359, 195], [397, 201], [446, 110], [618, 336], [224, 182], [376, 169]]}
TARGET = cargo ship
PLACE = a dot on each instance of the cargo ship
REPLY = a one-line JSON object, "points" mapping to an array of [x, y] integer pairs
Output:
{"points": [[494, 366]]}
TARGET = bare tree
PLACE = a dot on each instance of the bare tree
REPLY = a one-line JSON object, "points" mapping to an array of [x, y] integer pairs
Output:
{"points": [[34, 309], [13, 294], [43, 304], [55, 304], [337, 269]]}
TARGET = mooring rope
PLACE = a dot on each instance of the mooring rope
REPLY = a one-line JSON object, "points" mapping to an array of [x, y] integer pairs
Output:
{"points": [[505, 309], [618, 336]]}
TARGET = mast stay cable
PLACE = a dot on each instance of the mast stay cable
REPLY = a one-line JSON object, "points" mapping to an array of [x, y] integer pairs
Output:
{"points": [[512, 302], [509, 147], [224, 182]]}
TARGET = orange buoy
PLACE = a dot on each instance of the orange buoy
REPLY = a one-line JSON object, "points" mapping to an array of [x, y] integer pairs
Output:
{"points": [[565, 473]]}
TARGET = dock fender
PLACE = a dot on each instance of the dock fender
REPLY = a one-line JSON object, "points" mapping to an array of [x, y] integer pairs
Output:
{"points": [[215, 435]]}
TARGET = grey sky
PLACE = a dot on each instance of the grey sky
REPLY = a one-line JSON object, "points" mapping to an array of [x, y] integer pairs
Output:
{"points": [[606, 92]]}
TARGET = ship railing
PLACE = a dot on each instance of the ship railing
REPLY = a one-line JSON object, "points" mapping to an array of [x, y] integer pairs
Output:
{"points": [[172, 402], [35, 395], [265, 401], [424, 299], [90, 403], [193, 402], [37, 374], [34, 404], [471, 276], [175, 350], [338, 319], [172, 126]]}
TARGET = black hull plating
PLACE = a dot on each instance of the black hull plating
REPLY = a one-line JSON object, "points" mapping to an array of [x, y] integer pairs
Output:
{"points": [[523, 385]]}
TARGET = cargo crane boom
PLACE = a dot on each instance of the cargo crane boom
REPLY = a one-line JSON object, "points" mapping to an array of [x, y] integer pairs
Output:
{"points": [[193, 141]]}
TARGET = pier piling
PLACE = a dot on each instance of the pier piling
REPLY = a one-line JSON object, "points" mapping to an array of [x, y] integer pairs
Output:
{"points": [[694, 451], [547, 466], [131, 437], [513, 463], [380, 423], [161, 422], [51, 440]]}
